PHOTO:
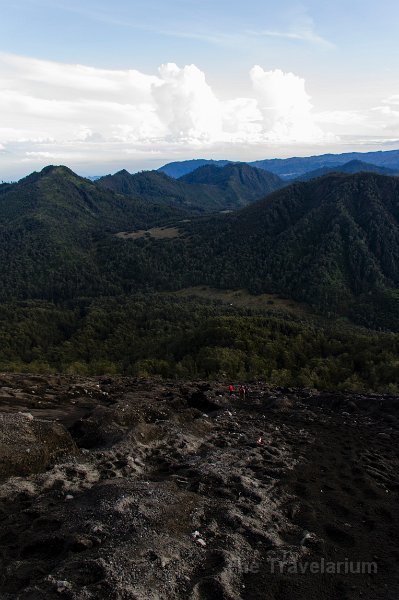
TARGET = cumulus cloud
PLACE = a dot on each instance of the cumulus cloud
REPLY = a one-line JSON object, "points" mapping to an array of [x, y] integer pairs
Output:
{"points": [[285, 106], [45, 100], [186, 104], [85, 115]]}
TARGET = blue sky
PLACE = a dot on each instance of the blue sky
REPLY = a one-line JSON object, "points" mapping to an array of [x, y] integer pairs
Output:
{"points": [[326, 78]]}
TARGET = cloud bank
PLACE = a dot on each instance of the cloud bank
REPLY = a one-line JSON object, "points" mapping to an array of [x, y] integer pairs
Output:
{"points": [[81, 115], [52, 110]]}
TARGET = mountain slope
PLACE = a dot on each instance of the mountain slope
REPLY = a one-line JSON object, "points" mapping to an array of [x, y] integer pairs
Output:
{"points": [[236, 179], [325, 242], [351, 167], [158, 187], [332, 242], [58, 196], [49, 222], [207, 189]]}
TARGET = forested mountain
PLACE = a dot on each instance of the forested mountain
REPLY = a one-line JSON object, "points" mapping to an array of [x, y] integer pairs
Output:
{"points": [[325, 242], [207, 189], [81, 299], [331, 242], [291, 168], [60, 198], [238, 181], [49, 223], [155, 186], [351, 167]]}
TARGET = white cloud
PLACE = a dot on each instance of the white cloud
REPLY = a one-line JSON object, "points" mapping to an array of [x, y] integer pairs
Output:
{"points": [[65, 81], [285, 106], [394, 99], [54, 110], [40, 155], [85, 115], [186, 104], [341, 117]]}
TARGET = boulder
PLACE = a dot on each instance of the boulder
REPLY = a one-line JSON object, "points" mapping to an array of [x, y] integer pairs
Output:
{"points": [[29, 445]]}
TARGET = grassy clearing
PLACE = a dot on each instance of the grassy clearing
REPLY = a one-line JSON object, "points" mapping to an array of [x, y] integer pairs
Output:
{"points": [[158, 233], [242, 299]]}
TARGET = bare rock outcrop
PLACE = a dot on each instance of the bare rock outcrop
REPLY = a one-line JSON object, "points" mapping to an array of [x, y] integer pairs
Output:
{"points": [[29, 445]]}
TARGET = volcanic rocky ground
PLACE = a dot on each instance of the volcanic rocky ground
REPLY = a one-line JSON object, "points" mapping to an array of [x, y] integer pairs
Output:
{"points": [[121, 488]]}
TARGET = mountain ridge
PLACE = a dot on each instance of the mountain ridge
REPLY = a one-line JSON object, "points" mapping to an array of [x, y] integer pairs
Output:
{"points": [[207, 189], [330, 242], [351, 167], [292, 167], [49, 222]]}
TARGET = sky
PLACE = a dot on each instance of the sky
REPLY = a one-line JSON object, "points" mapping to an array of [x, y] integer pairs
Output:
{"points": [[101, 86]]}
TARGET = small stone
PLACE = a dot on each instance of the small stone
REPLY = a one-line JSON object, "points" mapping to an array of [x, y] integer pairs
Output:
{"points": [[63, 586], [27, 415]]}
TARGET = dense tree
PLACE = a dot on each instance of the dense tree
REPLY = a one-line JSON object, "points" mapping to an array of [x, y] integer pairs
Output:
{"points": [[167, 336]]}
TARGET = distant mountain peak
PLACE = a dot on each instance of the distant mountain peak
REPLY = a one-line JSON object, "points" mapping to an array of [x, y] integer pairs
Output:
{"points": [[123, 172], [235, 174], [210, 188], [180, 168], [57, 169], [293, 167]]}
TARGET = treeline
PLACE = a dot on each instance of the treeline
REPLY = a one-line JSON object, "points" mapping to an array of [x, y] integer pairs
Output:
{"points": [[156, 335]]}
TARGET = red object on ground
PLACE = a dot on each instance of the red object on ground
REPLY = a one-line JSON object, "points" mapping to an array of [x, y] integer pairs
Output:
{"points": [[260, 441]]}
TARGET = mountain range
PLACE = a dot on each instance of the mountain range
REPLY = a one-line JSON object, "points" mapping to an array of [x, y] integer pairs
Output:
{"points": [[96, 281], [209, 188], [331, 242], [351, 167], [48, 225], [292, 168]]}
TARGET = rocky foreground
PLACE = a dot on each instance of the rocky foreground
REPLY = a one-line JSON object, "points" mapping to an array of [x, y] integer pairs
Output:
{"points": [[128, 489]]}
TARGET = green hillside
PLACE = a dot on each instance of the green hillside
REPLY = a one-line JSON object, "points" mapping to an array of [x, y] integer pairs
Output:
{"points": [[50, 224], [331, 242], [207, 189], [77, 296], [240, 183]]}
